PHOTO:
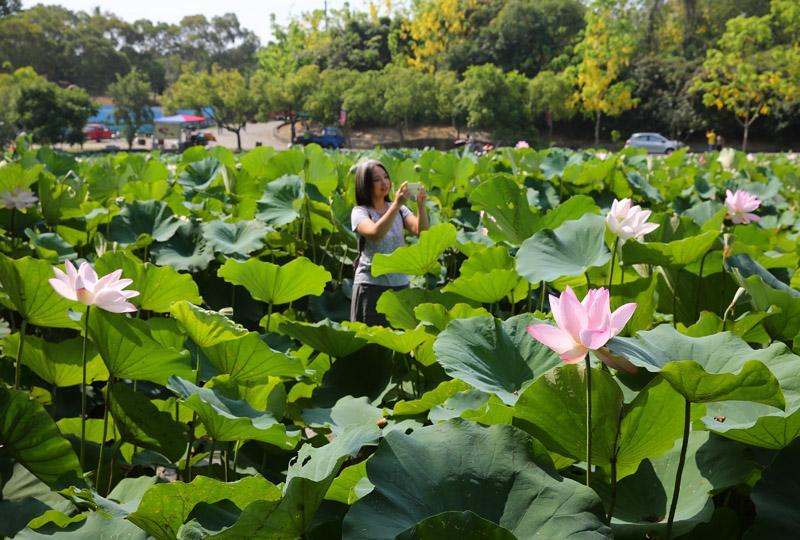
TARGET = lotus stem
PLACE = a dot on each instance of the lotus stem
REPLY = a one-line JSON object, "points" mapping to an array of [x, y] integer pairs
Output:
{"points": [[187, 471], [699, 286], [613, 489], [611, 264], [20, 347], [225, 464], [83, 387], [269, 315], [687, 414], [105, 432], [542, 292], [588, 420], [114, 450], [588, 281], [530, 299], [236, 448], [13, 220]]}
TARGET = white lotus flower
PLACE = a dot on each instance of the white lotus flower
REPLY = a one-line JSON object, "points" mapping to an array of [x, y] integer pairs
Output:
{"points": [[83, 286], [626, 221], [19, 198]]}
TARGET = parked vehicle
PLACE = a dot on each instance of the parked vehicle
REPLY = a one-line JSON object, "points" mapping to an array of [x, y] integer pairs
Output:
{"points": [[654, 143], [97, 132], [475, 146], [330, 137]]}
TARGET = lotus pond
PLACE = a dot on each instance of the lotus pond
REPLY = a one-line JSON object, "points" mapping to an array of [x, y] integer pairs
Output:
{"points": [[593, 346]]}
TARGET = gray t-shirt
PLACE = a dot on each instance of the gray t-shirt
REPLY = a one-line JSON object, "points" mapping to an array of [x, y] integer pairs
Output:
{"points": [[393, 240]]}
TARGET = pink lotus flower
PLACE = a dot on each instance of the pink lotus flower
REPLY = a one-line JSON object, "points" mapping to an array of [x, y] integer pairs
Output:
{"points": [[19, 198], [626, 221], [83, 286], [740, 205], [583, 327], [522, 144]]}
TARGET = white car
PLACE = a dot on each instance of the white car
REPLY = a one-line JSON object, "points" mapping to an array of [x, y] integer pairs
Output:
{"points": [[654, 143]]}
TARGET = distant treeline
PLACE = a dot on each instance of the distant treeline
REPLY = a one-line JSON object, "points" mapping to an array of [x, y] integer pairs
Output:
{"points": [[512, 67]]}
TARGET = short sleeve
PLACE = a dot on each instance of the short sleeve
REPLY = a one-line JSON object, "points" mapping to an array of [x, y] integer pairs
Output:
{"points": [[404, 212], [358, 215]]}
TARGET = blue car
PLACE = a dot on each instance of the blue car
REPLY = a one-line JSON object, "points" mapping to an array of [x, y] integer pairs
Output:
{"points": [[330, 137]]}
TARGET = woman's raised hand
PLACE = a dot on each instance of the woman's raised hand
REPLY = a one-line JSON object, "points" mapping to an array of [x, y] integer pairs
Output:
{"points": [[421, 195], [401, 196]]}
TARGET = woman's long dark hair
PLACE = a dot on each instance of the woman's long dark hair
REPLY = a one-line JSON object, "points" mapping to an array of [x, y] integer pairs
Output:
{"points": [[364, 181]]}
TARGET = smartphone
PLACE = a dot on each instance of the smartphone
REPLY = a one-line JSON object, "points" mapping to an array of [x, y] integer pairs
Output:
{"points": [[413, 189]]}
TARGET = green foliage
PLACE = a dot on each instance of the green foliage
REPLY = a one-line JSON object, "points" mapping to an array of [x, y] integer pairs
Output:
{"points": [[131, 95]]}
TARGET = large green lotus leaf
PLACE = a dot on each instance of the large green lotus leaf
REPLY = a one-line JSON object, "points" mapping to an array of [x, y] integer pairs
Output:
{"points": [[228, 419], [490, 472], [51, 246], [785, 322], [456, 526], [351, 484], [508, 215], [486, 260], [307, 481], [143, 424], [159, 286], [25, 498], [421, 258], [186, 250], [399, 306], [96, 525], [643, 499], [448, 172], [713, 368], [276, 284], [367, 372], [255, 161], [325, 336], [777, 515], [204, 327], [570, 210], [30, 437], [754, 423], [676, 253], [238, 239], [165, 507], [199, 175], [130, 352], [495, 356], [282, 163], [643, 293], [430, 399], [25, 282], [320, 170], [438, 316], [153, 219], [400, 341], [58, 364], [249, 359], [282, 201], [553, 410], [487, 288], [569, 250]]}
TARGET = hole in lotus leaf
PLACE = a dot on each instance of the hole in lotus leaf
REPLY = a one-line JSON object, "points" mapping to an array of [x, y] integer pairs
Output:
{"points": [[305, 461], [409, 431], [654, 518]]}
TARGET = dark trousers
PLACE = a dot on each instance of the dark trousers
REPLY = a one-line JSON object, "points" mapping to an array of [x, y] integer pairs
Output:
{"points": [[365, 300]]}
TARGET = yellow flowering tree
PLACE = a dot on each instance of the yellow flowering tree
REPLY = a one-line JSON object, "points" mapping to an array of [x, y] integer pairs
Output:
{"points": [[747, 74], [435, 26], [604, 53]]}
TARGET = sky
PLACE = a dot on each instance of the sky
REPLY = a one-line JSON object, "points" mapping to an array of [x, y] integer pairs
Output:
{"points": [[252, 14]]}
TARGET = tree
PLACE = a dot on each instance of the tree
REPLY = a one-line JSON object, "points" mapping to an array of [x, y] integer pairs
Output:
{"points": [[53, 114], [131, 95], [549, 94], [747, 76], [493, 100], [527, 34], [447, 105], [326, 99], [225, 91], [408, 94], [364, 99], [604, 53], [285, 94], [435, 26], [7, 7]]}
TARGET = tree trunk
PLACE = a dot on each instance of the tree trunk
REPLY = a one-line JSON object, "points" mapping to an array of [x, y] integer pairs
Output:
{"points": [[744, 139], [597, 129], [294, 119], [130, 143]]}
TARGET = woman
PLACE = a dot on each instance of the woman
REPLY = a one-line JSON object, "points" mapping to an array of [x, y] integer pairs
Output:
{"points": [[379, 222]]}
